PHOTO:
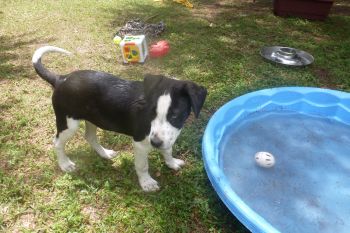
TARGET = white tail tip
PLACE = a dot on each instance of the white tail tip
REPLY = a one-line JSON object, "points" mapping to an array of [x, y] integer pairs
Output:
{"points": [[46, 49]]}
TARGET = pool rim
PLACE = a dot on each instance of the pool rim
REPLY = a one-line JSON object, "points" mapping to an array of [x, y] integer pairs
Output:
{"points": [[248, 217]]}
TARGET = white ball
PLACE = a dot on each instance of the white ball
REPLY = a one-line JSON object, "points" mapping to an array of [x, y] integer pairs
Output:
{"points": [[264, 159]]}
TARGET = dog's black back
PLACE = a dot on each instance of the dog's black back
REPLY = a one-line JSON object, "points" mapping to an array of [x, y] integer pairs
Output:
{"points": [[119, 105], [109, 102]]}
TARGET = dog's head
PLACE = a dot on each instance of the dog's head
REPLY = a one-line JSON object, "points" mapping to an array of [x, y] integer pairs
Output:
{"points": [[170, 103]]}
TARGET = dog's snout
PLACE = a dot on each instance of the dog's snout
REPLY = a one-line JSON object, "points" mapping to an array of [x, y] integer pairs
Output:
{"points": [[156, 142]]}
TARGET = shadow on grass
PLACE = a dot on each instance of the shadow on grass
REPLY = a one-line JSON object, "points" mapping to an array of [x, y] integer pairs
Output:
{"points": [[15, 65], [223, 51], [15, 56], [326, 40], [184, 201]]}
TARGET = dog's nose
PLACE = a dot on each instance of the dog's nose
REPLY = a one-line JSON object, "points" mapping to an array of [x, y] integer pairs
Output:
{"points": [[156, 142]]}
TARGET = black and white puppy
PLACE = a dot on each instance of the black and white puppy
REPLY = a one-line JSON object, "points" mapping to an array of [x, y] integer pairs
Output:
{"points": [[151, 111]]}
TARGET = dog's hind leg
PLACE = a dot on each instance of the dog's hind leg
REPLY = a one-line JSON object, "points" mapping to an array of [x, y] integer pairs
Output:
{"points": [[66, 128], [90, 136]]}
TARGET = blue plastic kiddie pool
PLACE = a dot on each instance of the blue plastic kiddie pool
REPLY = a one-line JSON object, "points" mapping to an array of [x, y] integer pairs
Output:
{"points": [[307, 130]]}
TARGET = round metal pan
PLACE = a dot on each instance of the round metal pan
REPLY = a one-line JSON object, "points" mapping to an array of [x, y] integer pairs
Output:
{"points": [[287, 56]]}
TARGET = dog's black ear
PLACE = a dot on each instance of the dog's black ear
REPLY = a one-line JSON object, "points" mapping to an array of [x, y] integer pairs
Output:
{"points": [[197, 96], [150, 81]]}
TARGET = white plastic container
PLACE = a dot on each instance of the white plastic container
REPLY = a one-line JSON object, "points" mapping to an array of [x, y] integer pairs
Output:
{"points": [[134, 49]]}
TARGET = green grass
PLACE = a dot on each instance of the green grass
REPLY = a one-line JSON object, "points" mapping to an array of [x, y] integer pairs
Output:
{"points": [[215, 45]]}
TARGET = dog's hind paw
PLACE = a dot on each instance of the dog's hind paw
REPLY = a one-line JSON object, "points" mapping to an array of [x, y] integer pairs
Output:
{"points": [[108, 154], [67, 166], [175, 164], [148, 184]]}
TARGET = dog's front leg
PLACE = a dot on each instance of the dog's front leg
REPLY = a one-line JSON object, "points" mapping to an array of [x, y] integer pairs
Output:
{"points": [[141, 150], [172, 162]]}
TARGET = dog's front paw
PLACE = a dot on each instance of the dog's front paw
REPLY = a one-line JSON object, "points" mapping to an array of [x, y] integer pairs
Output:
{"points": [[67, 165], [175, 164], [148, 184], [108, 154]]}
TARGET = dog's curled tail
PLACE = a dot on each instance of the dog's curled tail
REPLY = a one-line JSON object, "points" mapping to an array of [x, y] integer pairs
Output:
{"points": [[47, 75]]}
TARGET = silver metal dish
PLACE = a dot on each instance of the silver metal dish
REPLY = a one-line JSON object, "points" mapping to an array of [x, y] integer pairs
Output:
{"points": [[287, 56]]}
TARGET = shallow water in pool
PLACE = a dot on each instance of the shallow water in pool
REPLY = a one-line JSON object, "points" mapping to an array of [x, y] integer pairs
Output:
{"points": [[308, 189]]}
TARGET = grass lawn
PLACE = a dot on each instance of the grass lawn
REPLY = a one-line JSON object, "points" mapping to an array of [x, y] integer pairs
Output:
{"points": [[216, 44]]}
